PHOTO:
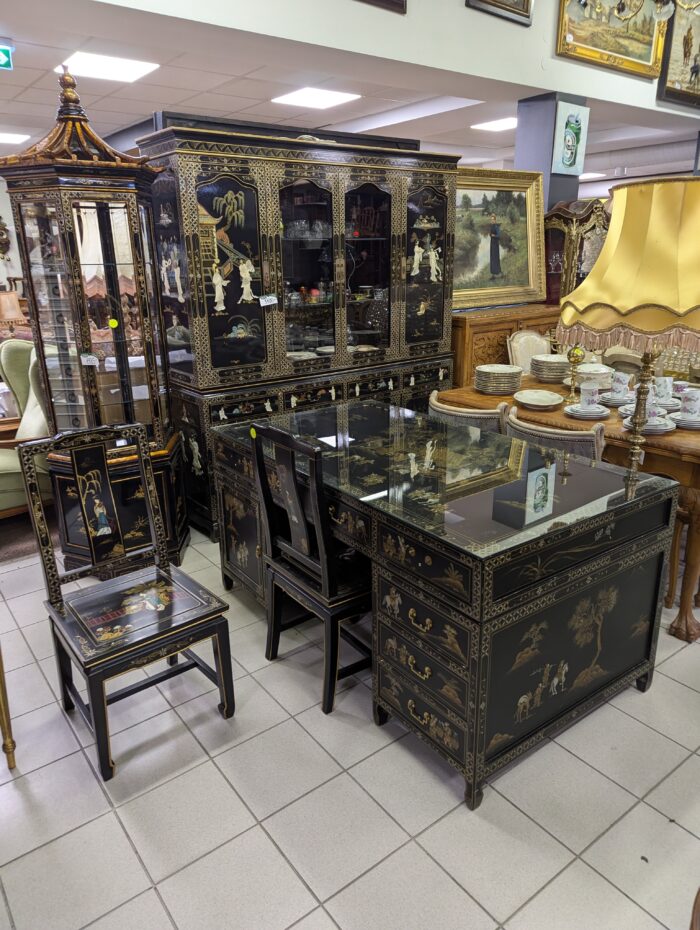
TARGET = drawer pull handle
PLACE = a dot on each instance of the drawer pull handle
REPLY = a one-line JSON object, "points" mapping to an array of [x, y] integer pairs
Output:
{"points": [[424, 675], [424, 720], [423, 627]]}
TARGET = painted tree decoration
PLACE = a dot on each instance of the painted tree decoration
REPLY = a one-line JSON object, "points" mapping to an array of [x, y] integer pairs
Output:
{"points": [[587, 625]]}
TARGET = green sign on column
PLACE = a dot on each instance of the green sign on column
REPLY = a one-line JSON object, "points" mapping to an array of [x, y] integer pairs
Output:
{"points": [[6, 57]]}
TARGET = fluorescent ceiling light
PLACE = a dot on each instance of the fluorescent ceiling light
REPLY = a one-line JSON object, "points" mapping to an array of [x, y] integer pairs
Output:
{"points": [[498, 125], [315, 98], [590, 175], [85, 64], [12, 138]]}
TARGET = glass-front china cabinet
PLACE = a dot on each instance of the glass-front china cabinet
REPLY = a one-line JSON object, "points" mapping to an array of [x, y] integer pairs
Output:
{"points": [[82, 213], [574, 234], [295, 271]]}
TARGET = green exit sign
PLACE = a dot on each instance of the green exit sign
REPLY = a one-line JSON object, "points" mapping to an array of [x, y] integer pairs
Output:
{"points": [[6, 57]]}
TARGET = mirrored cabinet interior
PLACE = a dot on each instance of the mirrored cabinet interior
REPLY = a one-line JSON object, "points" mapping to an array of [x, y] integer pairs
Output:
{"points": [[82, 212], [574, 234], [295, 272]]}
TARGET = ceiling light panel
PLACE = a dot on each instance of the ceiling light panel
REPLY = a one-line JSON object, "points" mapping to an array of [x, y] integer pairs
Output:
{"points": [[315, 98], [12, 138], [105, 67], [498, 125], [590, 176]]}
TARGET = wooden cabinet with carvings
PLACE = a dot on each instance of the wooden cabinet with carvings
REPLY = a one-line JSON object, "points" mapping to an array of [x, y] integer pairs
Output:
{"points": [[480, 337]]}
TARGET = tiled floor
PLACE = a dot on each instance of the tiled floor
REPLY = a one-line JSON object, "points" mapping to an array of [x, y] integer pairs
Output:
{"points": [[283, 817]]}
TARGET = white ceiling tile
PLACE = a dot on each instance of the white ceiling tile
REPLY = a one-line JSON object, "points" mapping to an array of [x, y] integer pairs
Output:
{"points": [[136, 109], [21, 76], [258, 90], [169, 76], [233, 62], [274, 111], [224, 103], [12, 108], [155, 96], [94, 87], [44, 57], [290, 75], [41, 96], [155, 53]]}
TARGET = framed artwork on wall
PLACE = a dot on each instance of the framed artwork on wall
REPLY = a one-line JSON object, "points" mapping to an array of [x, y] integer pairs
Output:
{"points": [[499, 238], [631, 42], [396, 6], [570, 136], [519, 11], [680, 69]]}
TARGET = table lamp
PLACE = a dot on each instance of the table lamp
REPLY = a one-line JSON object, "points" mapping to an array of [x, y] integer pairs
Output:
{"points": [[644, 293], [10, 311]]}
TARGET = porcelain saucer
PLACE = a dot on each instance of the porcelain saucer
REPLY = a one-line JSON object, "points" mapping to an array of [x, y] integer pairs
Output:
{"points": [[657, 427], [684, 421], [598, 412]]}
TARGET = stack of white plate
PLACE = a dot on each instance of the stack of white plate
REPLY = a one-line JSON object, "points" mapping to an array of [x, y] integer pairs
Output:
{"points": [[653, 427], [672, 405], [612, 400], [684, 420], [497, 379], [595, 412], [552, 369]]}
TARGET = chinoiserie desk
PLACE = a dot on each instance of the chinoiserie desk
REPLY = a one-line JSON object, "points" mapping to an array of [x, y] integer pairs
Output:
{"points": [[513, 588], [675, 455]]}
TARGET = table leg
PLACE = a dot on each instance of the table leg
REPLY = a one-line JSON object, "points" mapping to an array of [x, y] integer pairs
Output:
{"points": [[685, 626]]}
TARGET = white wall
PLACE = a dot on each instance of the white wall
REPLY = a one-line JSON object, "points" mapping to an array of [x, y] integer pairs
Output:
{"points": [[14, 267], [441, 34]]}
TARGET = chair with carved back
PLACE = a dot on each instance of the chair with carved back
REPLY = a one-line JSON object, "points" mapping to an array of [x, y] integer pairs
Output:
{"points": [[525, 343], [305, 566], [589, 443], [147, 611], [488, 421]]}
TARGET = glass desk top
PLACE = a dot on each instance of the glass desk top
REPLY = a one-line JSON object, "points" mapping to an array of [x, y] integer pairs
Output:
{"points": [[481, 492]]}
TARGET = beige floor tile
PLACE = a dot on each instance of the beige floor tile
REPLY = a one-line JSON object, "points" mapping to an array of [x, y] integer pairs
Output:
{"points": [[678, 796], [149, 754], [684, 666], [255, 711], [297, 682], [47, 803], [667, 646], [7, 620], [653, 861], [245, 884], [316, 920], [411, 782], [50, 670], [21, 581], [11, 565], [184, 819], [248, 645], [196, 536], [81, 875], [329, 849], [496, 853], [349, 733], [410, 892], [210, 550], [194, 561], [27, 690], [579, 899], [29, 608], [629, 752], [136, 708], [42, 736], [564, 795], [40, 639], [668, 706], [142, 913], [276, 767], [4, 917], [15, 651]]}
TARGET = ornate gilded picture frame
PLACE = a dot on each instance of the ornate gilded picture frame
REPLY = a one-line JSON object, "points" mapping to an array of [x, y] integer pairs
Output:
{"points": [[499, 238], [680, 69], [518, 11], [630, 42], [396, 6]]}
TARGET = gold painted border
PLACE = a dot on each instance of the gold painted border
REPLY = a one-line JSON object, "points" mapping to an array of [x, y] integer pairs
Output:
{"points": [[530, 184], [603, 59]]}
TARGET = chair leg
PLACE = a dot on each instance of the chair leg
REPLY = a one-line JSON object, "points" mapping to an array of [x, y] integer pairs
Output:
{"points": [[274, 618], [172, 659], [330, 665], [65, 673], [8, 743], [673, 563], [100, 726], [222, 658]]}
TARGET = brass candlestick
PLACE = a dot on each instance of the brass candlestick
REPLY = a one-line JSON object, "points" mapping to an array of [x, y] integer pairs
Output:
{"points": [[575, 355], [639, 417]]}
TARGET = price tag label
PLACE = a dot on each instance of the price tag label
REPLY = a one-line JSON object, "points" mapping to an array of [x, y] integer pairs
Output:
{"points": [[88, 360], [268, 300]]}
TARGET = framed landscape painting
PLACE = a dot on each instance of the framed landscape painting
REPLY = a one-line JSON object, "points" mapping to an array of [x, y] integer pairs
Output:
{"points": [[519, 11], [499, 238], [596, 34], [396, 6], [680, 69]]}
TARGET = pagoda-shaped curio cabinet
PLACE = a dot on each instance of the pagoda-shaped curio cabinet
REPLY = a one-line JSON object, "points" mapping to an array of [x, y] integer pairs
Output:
{"points": [[83, 216]]}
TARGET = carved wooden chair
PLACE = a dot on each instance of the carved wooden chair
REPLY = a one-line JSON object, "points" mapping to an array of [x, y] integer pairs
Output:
{"points": [[149, 611], [588, 443], [525, 343], [488, 421], [8, 743], [304, 565]]}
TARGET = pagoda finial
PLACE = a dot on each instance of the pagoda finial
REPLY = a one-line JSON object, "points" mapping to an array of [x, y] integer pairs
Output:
{"points": [[69, 101]]}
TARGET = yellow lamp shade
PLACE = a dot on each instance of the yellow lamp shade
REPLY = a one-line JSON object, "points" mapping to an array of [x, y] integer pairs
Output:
{"points": [[644, 289]]}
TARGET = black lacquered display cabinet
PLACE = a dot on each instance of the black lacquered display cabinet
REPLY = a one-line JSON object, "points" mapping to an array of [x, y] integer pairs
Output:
{"points": [[348, 242], [574, 234], [83, 217]]}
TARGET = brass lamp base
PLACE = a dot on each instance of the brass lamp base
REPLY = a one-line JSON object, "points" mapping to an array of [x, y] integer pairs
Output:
{"points": [[639, 417]]}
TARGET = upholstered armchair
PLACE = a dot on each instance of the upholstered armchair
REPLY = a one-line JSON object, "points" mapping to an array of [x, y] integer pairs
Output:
{"points": [[19, 370]]}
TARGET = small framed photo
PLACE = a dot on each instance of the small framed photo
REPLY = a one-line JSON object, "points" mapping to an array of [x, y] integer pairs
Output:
{"points": [[396, 6], [518, 11], [539, 497]]}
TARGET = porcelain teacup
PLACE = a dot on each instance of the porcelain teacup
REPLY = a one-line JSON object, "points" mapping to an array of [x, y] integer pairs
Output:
{"points": [[654, 412], [620, 384], [690, 403], [589, 395], [664, 387], [680, 386]]}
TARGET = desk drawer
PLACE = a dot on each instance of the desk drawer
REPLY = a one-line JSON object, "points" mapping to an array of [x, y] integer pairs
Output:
{"points": [[437, 629], [431, 674], [421, 714]]}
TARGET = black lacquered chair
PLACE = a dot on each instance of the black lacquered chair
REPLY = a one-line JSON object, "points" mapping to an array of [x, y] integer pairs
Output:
{"points": [[149, 611], [304, 565]]}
